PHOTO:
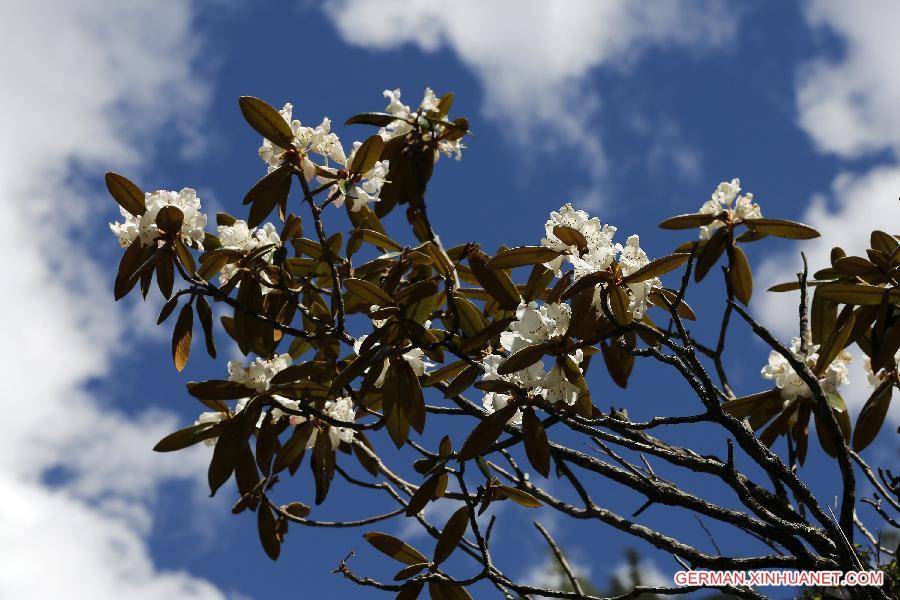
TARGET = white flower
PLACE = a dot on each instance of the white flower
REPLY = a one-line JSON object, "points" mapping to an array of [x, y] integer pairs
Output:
{"points": [[211, 417], [339, 409], [721, 200], [493, 402], [406, 118], [632, 259], [556, 387], [876, 379], [788, 381], [318, 139], [144, 226], [361, 189], [534, 324], [238, 236], [600, 252], [258, 373], [415, 358]]}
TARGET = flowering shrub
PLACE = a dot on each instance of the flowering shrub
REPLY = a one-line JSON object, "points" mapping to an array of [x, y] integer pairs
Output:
{"points": [[358, 338]]}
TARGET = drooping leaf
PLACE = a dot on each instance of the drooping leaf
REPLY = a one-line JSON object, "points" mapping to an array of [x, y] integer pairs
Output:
{"points": [[378, 119], [537, 447], [181, 337], [367, 155], [782, 228], [229, 445], [470, 319], [872, 415], [833, 346], [486, 432], [522, 256], [395, 548], [206, 322], [688, 221], [369, 293], [265, 522], [495, 281], [658, 267], [126, 194], [823, 432], [294, 448], [524, 358], [187, 437], [267, 193], [447, 590], [741, 276], [322, 465], [433, 488], [167, 310], [856, 293], [518, 496], [267, 121], [219, 389], [410, 591], [710, 253], [618, 362]]}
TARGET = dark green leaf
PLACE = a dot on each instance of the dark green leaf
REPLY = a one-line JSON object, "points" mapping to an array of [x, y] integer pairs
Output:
{"points": [[395, 548], [129, 196], [267, 121]]}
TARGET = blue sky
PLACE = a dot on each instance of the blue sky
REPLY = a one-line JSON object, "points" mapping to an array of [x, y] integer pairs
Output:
{"points": [[633, 113]]}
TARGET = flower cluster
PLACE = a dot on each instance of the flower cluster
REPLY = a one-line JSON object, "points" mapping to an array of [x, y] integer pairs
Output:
{"points": [[259, 373], [144, 226], [599, 253], [886, 374], [358, 189], [788, 381], [721, 201], [258, 376], [318, 140], [407, 118], [631, 259], [534, 324], [255, 376], [340, 409], [238, 236]]}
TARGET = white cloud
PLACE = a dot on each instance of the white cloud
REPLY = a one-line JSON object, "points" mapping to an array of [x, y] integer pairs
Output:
{"points": [[845, 217], [848, 102], [86, 85], [533, 58]]}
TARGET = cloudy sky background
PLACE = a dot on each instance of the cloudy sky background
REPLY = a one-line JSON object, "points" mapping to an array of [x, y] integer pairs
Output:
{"points": [[632, 110]]}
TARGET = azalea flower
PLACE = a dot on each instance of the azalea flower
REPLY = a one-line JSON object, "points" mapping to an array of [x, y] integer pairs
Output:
{"points": [[534, 324], [358, 189], [600, 252], [788, 381], [318, 140], [144, 226], [631, 260], [876, 379], [406, 118], [721, 201], [238, 236], [259, 373], [340, 409]]}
